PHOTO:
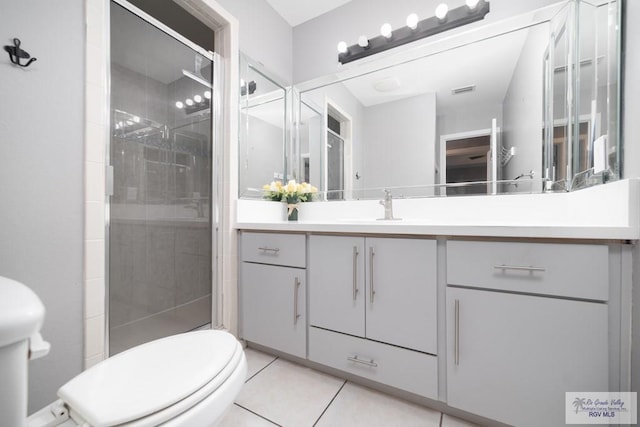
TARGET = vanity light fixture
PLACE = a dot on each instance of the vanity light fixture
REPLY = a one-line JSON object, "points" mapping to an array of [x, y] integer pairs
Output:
{"points": [[441, 11], [412, 21], [198, 103], [472, 4], [386, 31], [444, 19]]}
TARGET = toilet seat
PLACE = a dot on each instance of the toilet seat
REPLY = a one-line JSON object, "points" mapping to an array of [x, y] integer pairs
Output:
{"points": [[155, 382]]}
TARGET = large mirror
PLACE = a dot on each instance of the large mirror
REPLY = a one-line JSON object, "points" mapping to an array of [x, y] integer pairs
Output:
{"points": [[517, 109]]}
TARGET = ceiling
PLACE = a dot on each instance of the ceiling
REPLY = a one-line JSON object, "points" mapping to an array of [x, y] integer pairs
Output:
{"points": [[295, 12], [487, 65]]}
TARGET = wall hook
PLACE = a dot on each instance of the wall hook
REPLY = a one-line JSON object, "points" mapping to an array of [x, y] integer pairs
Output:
{"points": [[15, 54]]}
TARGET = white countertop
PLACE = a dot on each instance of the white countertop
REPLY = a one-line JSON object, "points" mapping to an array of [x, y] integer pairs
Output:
{"points": [[604, 212], [477, 230]]}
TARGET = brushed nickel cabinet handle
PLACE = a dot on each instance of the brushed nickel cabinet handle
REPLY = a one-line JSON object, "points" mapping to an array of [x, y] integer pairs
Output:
{"points": [[456, 339], [369, 362], [519, 267], [296, 285], [372, 291], [266, 249], [355, 272]]}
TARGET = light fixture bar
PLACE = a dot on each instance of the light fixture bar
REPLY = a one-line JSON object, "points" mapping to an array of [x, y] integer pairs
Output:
{"points": [[427, 27]]}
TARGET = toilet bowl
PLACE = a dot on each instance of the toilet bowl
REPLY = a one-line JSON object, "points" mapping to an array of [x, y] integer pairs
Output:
{"points": [[185, 380]]}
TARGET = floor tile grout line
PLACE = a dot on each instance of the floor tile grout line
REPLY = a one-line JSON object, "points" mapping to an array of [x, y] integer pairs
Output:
{"points": [[265, 367], [329, 404], [258, 415]]}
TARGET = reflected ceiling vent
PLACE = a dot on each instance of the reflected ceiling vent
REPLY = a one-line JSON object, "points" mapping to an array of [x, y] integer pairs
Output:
{"points": [[463, 89], [388, 84]]}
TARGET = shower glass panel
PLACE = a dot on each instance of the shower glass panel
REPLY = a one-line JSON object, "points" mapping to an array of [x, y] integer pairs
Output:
{"points": [[160, 214]]}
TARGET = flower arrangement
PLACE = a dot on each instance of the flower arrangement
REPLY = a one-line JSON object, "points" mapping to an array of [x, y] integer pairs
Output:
{"points": [[292, 193]]}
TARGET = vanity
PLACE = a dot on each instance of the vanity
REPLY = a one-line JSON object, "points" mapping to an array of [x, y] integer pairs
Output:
{"points": [[489, 305], [494, 323]]}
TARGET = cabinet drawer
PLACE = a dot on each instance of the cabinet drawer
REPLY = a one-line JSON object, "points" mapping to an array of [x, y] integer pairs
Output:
{"points": [[277, 249], [571, 270], [405, 369]]}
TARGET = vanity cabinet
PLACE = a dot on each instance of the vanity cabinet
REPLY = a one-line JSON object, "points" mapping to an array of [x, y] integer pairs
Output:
{"points": [[382, 289], [513, 346], [273, 291], [373, 309]]}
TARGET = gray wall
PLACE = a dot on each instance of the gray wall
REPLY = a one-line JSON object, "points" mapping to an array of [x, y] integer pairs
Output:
{"points": [[264, 35], [315, 41], [262, 155], [41, 176], [391, 131]]}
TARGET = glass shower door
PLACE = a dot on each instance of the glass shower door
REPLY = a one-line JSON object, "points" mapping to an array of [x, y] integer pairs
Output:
{"points": [[160, 210]]}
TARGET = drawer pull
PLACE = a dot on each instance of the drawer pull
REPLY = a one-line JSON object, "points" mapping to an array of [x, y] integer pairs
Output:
{"points": [[456, 338], [296, 285], [265, 249], [355, 272], [518, 267], [369, 362], [372, 291]]}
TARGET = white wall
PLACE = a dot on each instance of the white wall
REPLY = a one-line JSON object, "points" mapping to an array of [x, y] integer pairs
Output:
{"points": [[631, 141], [315, 41], [264, 35], [522, 108], [41, 176]]}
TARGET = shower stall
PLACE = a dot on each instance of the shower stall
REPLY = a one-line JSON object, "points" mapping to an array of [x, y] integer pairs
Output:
{"points": [[162, 208]]}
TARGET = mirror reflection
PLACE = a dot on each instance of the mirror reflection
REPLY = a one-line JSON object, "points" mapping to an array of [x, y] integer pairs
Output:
{"points": [[501, 112], [526, 107], [263, 128]]}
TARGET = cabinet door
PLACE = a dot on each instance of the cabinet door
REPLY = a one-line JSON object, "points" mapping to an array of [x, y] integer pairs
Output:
{"points": [[512, 357], [401, 296], [273, 307], [336, 283]]}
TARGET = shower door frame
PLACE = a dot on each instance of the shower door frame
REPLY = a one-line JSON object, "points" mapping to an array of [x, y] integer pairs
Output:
{"points": [[217, 191]]}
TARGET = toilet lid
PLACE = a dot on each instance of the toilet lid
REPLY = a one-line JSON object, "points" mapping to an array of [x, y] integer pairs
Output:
{"points": [[148, 378]]}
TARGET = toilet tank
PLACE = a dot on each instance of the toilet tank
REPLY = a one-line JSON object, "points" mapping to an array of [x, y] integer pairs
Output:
{"points": [[21, 316]]}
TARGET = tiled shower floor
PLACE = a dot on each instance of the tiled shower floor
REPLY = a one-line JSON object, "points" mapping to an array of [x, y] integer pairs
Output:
{"points": [[282, 393]]}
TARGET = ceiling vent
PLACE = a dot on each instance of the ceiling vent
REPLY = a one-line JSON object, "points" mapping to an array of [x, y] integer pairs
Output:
{"points": [[463, 89]]}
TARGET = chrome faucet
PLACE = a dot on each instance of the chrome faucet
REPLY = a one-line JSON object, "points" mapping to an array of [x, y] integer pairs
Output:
{"points": [[388, 205]]}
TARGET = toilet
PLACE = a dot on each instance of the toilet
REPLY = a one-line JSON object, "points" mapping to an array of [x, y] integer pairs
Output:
{"points": [[185, 380]]}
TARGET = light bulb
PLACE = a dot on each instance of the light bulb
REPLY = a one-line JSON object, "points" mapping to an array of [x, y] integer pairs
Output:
{"points": [[441, 11], [179, 104], [412, 21], [136, 119], [342, 47], [472, 3], [207, 94], [197, 98], [188, 101], [386, 30], [363, 41]]}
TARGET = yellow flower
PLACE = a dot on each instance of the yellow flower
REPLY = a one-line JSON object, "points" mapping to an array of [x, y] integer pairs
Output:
{"points": [[292, 187]]}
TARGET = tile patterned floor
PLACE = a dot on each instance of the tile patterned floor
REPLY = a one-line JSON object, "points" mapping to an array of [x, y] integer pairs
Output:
{"points": [[281, 393]]}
